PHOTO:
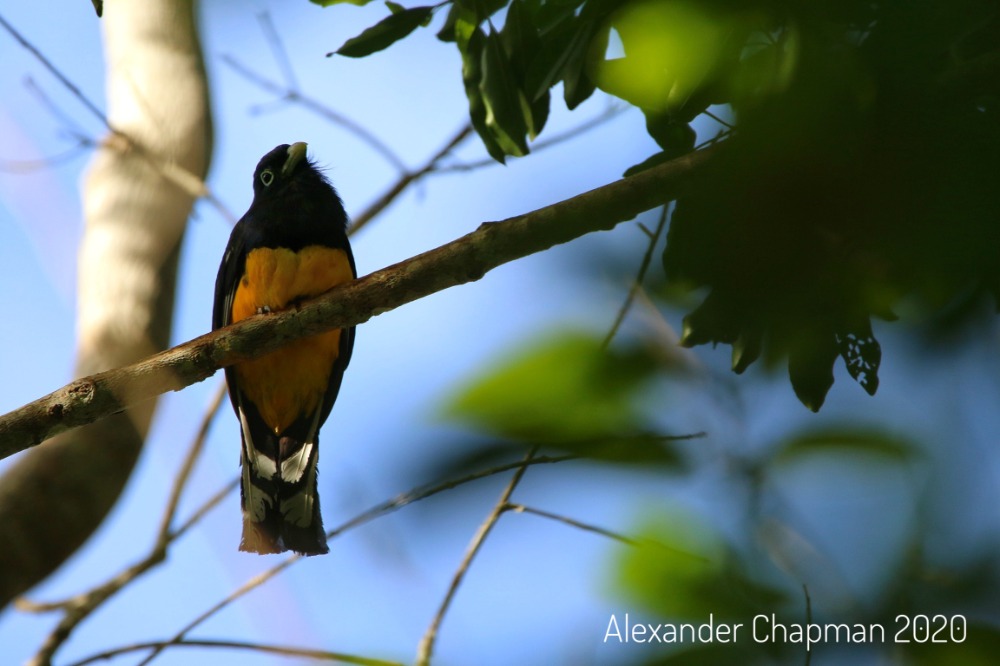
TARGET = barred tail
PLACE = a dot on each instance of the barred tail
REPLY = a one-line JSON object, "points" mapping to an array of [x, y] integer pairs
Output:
{"points": [[279, 496]]}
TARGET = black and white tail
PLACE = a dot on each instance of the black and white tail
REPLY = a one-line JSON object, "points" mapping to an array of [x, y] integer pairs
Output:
{"points": [[279, 496]]}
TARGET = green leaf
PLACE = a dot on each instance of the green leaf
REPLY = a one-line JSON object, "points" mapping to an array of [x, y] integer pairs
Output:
{"points": [[684, 569], [577, 85], [522, 44], [746, 350], [674, 136], [394, 7], [470, 40], [384, 33], [810, 368], [447, 31], [863, 355], [571, 42], [546, 68], [329, 3], [473, 11], [565, 388], [841, 442], [712, 321], [506, 105]]}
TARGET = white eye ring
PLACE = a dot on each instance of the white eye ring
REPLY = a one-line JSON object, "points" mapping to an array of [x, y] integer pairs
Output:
{"points": [[267, 177]]}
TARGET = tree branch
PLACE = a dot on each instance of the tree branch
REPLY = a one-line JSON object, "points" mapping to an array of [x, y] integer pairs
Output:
{"points": [[572, 522], [654, 237], [264, 648], [381, 509], [463, 260], [81, 606], [406, 179], [290, 93], [426, 647]]}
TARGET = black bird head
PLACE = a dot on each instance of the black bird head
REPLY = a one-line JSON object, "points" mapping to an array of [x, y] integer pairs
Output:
{"points": [[292, 194], [282, 168]]}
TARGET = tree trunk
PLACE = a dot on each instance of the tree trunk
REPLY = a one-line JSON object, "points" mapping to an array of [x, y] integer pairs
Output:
{"points": [[56, 495]]}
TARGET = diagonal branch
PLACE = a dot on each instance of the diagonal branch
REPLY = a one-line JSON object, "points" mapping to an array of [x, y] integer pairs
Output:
{"points": [[289, 93], [426, 647], [572, 522], [389, 506], [654, 237], [78, 608], [407, 178], [463, 260], [262, 648], [122, 141]]}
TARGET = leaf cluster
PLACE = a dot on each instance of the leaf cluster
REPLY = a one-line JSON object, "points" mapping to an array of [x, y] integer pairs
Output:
{"points": [[566, 393], [860, 167], [867, 177], [688, 569], [507, 72]]}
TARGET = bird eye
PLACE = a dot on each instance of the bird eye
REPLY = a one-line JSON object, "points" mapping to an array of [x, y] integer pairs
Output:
{"points": [[267, 177]]}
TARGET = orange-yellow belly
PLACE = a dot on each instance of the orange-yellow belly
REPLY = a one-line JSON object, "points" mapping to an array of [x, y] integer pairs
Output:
{"points": [[290, 382]]}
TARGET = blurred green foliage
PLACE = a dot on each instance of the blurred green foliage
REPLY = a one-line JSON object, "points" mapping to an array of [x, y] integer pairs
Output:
{"points": [[866, 176], [567, 393], [565, 387], [686, 571], [858, 174], [860, 168]]}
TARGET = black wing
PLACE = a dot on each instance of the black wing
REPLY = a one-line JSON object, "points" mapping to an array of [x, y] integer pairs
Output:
{"points": [[230, 272]]}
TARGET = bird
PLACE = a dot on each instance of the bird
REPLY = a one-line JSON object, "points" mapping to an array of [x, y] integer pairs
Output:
{"points": [[289, 246]]}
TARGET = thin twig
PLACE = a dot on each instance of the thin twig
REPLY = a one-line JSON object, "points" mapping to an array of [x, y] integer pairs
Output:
{"points": [[286, 651], [120, 141], [617, 536], [277, 46], [28, 166], [654, 237], [78, 608], [293, 95], [426, 647], [722, 134], [389, 506], [408, 178], [194, 452], [90, 106], [548, 142], [207, 506], [587, 527], [727, 125], [65, 119]]}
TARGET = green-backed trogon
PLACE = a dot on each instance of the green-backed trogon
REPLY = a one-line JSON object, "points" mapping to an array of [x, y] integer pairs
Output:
{"points": [[290, 245]]}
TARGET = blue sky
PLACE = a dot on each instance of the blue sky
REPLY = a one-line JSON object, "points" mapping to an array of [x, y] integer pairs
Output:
{"points": [[538, 590]]}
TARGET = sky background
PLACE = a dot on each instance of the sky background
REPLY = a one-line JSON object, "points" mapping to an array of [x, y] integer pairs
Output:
{"points": [[539, 592]]}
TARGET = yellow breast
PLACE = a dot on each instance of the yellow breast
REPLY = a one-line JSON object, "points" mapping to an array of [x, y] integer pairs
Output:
{"points": [[290, 382]]}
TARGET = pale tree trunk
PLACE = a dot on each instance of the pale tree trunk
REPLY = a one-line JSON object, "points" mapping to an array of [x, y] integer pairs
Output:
{"points": [[57, 494]]}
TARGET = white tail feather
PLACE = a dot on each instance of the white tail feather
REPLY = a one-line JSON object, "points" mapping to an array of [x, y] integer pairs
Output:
{"points": [[256, 501], [298, 509]]}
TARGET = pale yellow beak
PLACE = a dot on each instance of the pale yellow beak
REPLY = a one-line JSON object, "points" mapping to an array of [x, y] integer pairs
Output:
{"points": [[296, 153]]}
